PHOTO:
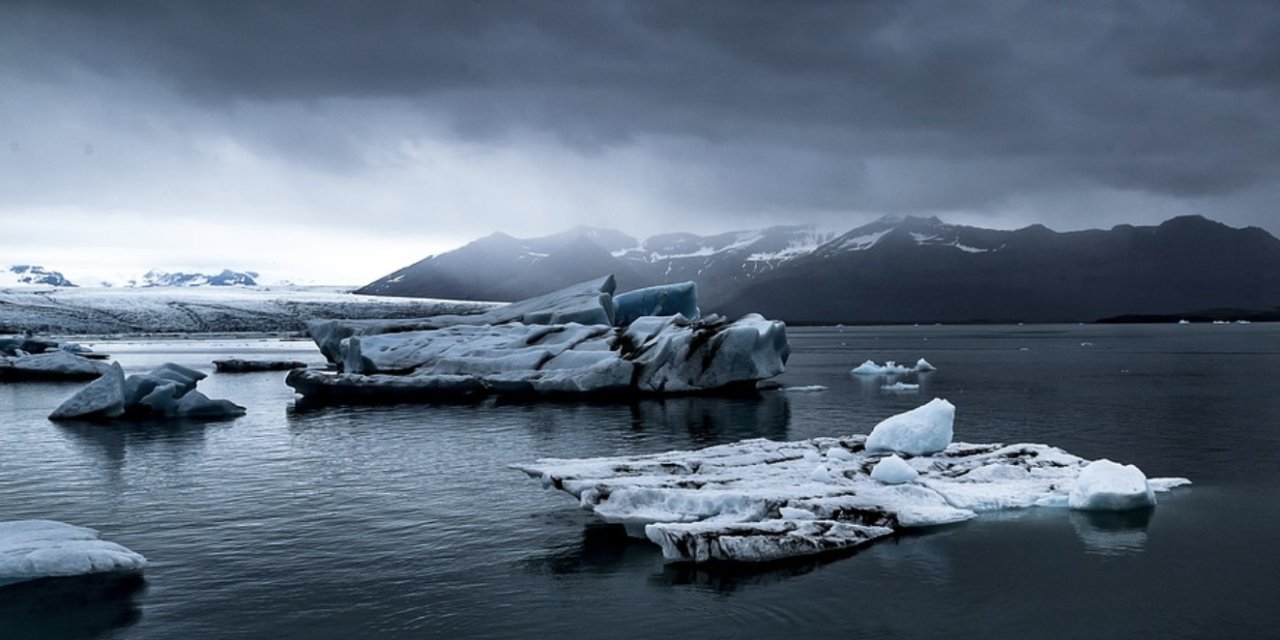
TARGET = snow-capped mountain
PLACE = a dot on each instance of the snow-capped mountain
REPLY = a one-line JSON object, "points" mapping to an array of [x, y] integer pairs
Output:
{"points": [[500, 267], [27, 274], [226, 278], [895, 269]]}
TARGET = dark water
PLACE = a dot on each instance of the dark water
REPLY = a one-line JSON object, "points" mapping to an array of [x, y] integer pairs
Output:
{"points": [[406, 522]]}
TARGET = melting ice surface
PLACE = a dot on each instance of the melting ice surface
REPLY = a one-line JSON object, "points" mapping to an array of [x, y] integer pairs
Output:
{"points": [[760, 500]]}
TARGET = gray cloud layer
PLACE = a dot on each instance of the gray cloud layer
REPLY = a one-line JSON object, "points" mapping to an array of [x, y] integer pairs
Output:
{"points": [[457, 118]]}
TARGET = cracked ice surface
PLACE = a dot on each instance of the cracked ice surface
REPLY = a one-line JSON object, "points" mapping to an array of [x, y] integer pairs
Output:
{"points": [[761, 500]]}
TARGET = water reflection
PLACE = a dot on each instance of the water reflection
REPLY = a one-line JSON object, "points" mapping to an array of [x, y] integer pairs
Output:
{"points": [[77, 607], [1112, 533]]}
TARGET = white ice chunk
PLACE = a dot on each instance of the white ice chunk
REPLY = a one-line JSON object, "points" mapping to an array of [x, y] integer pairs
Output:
{"points": [[33, 549], [920, 431], [923, 365], [1104, 485], [894, 470], [900, 387]]}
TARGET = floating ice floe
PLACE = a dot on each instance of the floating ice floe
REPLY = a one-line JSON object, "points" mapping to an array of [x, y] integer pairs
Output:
{"points": [[563, 343], [236, 365], [34, 549], [891, 368], [900, 387], [761, 500], [812, 388], [57, 364], [168, 391]]}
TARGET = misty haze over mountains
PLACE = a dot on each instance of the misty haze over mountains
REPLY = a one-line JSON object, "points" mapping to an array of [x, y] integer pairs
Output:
{"points": [[896, 269]]}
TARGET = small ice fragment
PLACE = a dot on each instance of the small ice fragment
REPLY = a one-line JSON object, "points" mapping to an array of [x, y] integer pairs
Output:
{"points": [[894, 470]]}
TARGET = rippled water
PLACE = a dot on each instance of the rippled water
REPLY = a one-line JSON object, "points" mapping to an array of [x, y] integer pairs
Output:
{"points": [[406, 522]]}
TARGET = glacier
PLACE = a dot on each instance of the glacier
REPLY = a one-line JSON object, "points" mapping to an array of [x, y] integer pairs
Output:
{"points": [[564, 343], [168, 391], [34, 549], [761, 500]]}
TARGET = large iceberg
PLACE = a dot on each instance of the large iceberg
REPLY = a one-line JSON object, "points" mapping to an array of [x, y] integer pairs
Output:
{"points": [[34, 549], [588, 302], [662, 300], [562, 343], [761, 500], [168, 391]]}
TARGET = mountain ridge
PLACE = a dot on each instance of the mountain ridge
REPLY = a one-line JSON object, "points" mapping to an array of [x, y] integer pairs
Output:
{"points": [[894, 269]]}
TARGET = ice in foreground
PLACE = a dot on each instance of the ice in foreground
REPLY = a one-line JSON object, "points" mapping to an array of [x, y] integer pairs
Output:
{"points": [[34, 549], [168, 391], [760, 500], [564, 343]]}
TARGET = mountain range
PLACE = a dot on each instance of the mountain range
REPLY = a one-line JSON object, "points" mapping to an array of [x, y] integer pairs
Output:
{"points": [[896, 269], [23, 274]]}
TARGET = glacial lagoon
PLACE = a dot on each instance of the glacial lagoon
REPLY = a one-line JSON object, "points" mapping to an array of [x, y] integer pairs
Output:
{"points": [[406, 521]]}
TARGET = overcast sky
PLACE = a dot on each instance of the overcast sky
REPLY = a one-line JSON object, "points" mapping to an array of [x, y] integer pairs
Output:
{"points": [[336, 141]]}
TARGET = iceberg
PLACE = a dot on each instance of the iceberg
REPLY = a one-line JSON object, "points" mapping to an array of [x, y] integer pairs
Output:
{"points": [[56, 364], [762, 500], [34, 549], [589, 302], [921, 431], [236, 365], [168, 391], [565, 343], [891, 368]]}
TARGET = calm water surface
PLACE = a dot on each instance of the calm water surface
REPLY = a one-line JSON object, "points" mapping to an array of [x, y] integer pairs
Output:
{"points": [[406, 522]]}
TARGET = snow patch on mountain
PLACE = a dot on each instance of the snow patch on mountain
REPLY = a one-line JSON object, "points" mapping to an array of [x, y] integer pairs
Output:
{"points": [[27, 274]]}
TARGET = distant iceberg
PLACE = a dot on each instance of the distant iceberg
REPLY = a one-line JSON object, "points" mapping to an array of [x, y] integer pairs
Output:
{"points": [[891, 368], [760, 500], [564, 343], [34, 549]]}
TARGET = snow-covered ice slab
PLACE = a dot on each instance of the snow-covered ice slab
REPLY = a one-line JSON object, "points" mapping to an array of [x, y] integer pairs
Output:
{"points": [[34, 549], [237, 365], [761, 500], [168, 391], [57, 364]]}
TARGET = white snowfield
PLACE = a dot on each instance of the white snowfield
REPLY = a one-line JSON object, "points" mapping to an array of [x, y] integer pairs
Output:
{"points": [[562, 343], [168, 391], [891, 368], [34, 549], [760, 500], [102, 311]]}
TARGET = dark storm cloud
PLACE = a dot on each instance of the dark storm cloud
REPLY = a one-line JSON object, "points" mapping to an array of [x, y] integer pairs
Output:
{"points": [[1015, 109]]}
